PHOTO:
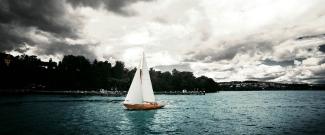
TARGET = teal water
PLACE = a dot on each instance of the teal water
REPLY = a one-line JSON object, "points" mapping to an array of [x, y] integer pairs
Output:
{"points": [[249, 112]]}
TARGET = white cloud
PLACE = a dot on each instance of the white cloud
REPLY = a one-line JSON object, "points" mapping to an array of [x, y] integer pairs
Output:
{"points": [[225, 39]]}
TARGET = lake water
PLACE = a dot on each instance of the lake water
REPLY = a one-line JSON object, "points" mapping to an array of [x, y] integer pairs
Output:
{"points": [[246, 112]]}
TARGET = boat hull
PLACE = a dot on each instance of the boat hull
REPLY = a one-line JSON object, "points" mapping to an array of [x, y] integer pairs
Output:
{"points": [[144, 106]]}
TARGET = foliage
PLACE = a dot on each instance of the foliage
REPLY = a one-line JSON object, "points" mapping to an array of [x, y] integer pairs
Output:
{"points": [[78, 73]]}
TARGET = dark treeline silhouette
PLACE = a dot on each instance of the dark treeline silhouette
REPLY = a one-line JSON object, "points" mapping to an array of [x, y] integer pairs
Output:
{"points": [[78, 73]]}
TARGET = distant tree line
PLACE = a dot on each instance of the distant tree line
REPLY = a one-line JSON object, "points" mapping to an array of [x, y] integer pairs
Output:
{"points": [[78, 73], [258, 85]]}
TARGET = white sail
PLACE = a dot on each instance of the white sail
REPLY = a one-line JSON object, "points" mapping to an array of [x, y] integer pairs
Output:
{"points": [[134, 95], [147, 91], [141, 88]]}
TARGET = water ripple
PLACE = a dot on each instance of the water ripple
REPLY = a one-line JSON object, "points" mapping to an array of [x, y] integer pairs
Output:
{"points": [[264, 112]]}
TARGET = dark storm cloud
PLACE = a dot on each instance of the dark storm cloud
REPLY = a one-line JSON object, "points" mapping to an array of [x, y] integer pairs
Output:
{"points": [[10, 39], [62, 48], [284, 63], [179, 67], [267, 76], [320, 72], [311, 37], [46, 15], [229, 51], [322, 48], [22, 20], [321, 61], [115, 6], [20, 17], [210, 55], [319, 79]]}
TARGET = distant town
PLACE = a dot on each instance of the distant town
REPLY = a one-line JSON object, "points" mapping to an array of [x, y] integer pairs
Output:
{"points": [[256, 85]]}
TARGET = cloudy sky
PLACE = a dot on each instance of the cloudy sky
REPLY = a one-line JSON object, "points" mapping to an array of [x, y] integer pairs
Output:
{"points": [[228, 40]]}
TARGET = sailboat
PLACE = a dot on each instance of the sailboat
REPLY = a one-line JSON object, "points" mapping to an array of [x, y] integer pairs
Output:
{"points": [[140, 95]]}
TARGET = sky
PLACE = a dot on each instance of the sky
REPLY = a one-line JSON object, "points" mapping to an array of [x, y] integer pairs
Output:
{"points": [[227, 40]]}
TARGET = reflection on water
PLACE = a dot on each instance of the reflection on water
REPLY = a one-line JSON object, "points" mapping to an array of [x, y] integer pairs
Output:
{"points": [[261, 112], [137, 122]]}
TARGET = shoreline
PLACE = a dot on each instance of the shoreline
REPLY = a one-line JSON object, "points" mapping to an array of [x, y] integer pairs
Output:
{"points": [[95, 93], [114, 93]]}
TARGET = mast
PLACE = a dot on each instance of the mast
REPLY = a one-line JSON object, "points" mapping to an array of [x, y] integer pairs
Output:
{"points": [[147, 91]]}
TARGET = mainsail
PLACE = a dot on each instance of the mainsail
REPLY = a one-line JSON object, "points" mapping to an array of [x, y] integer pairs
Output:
{"points": [[141, 88]]}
